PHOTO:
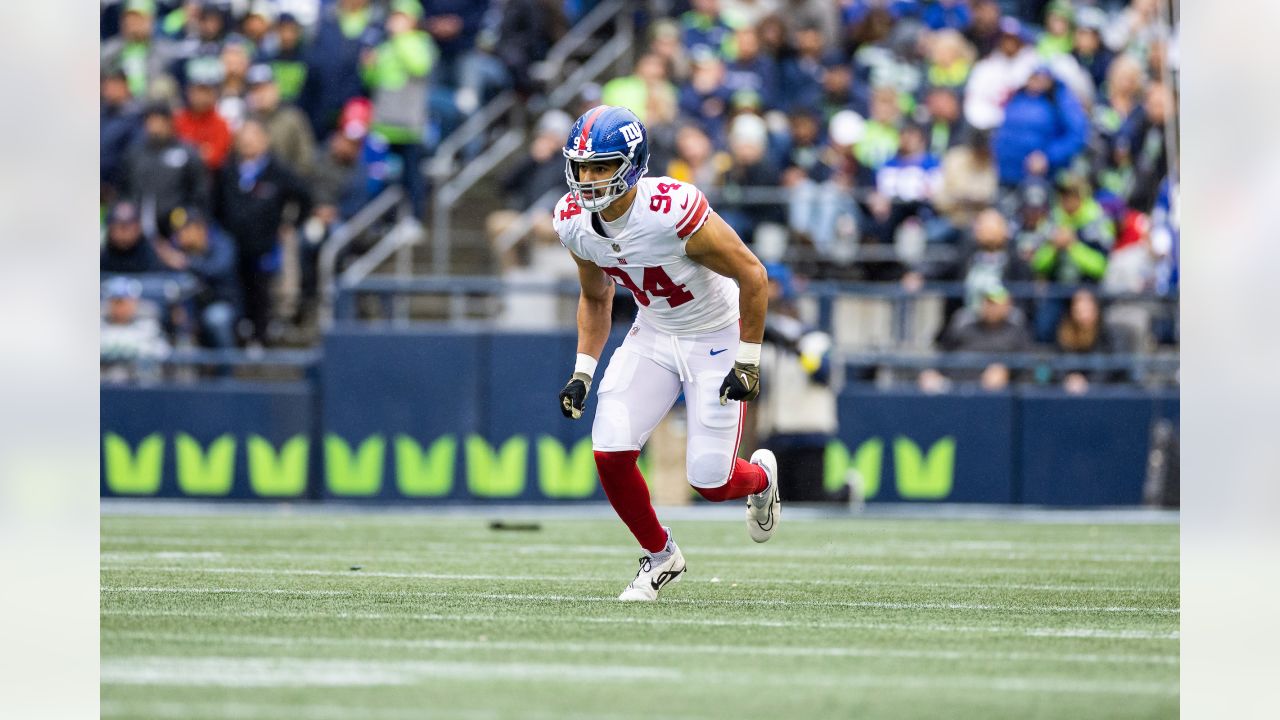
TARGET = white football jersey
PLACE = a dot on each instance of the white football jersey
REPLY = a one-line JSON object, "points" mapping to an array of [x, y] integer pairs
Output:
{"points": [[675, 294]]}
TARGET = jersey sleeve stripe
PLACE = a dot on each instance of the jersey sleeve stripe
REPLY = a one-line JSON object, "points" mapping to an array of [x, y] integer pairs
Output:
{"points": [[699, 216], [693, 209]]}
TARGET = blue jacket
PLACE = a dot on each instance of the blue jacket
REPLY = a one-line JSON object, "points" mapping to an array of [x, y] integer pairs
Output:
{"points": [[118, 129], [470, 12], [333, 69], [1053, 123]]}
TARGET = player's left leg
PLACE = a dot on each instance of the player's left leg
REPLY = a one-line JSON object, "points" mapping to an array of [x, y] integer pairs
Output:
{"points": [[714, 432]]}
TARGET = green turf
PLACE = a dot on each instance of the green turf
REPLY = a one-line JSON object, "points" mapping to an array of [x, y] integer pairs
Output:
{"points": [[264, 616]]}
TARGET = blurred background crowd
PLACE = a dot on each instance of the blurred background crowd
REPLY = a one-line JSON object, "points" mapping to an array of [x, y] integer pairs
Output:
{"points": [[998, 147]]}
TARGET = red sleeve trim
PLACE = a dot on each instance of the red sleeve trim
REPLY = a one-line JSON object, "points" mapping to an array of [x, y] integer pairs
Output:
{"points": [[695, 218]]}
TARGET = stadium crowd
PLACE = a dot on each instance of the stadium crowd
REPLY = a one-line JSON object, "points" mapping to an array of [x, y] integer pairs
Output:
{"points": [[986, 142]]}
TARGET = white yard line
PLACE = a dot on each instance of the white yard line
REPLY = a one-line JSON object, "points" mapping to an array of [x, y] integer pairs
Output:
{"points": [[310, 672], [928, 551], [355, 575], [742, 602], [365, 556], [526, 619], [642, 648]]}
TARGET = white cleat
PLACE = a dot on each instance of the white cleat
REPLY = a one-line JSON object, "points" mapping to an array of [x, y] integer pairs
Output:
{"points": [[765, 509], [654, 576]]}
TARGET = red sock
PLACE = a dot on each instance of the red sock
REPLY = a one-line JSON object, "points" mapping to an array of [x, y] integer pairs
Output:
{"points": [[746, 479], [629, 496]]}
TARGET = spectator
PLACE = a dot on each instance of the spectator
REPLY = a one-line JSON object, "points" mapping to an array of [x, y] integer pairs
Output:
{"points": [[1044, 128], [696, 160], [1141, 146], [705, 98], [911, 178], [142, 57], [820, 180], [664, 41], [996, 328], [291, 139], [347, 30], [950, 60], [528, 30], [236, 56], [1078, 210], [119, 127], [453, 26], [802, 74], [646, 92], [1122, 101], [199, 122], [984, 27], [1136, 28], [944, 123], [1087, 47], [210, 29], [1057, 37], [126, 250], [396, 73], [162, 172], [256, 28], [969, 180], [750, 167], [988, 261], [754, 70], [998, 75], [1032, 211], [1083, 332], [1067, 260], [821, 14], [879, 141], [129, 341], [536, 179], [702, 25], [288, 60], [207, 253], [252, 194]]}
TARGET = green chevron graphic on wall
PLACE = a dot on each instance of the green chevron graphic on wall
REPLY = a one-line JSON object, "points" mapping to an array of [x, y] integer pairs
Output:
{"points": [[354, 474], [917, 475], [500, 473], [282, 474], [425, 474], [130, 473], [566, 475]]}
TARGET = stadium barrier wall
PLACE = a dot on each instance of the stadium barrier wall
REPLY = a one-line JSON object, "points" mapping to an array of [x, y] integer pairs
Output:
{"points": [[411, 415]]}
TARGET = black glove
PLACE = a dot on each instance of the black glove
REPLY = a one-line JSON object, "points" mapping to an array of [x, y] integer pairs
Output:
{"points": [[742, 383], [573, 398]]}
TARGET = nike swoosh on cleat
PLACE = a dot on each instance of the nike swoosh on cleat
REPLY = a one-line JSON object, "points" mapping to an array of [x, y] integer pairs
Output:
{"points": [[717, 352], [665, 577]]}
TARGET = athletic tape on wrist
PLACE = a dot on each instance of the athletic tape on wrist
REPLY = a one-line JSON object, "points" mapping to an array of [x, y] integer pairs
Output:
{"points": [[585, 364], [749, 353]]}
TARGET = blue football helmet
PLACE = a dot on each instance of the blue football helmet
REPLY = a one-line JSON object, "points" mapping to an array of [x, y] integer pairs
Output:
{"points": [[606, 132]]}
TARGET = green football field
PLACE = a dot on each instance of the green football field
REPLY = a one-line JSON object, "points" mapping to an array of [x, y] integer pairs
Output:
{"points": [[379, 616]]}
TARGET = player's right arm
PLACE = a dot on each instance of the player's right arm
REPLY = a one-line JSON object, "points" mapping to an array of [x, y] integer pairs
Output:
{"points": [[595, 311]]}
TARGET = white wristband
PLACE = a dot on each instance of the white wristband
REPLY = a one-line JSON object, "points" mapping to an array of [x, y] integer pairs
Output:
{"points": [[585, 364], [749, 353]]}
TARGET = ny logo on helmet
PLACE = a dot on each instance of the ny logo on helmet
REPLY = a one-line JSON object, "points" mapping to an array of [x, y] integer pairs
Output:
{"points": [[633, 135]]}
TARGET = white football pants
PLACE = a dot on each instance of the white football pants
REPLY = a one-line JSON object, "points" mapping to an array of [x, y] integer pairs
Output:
{"points": [[643, 380]]}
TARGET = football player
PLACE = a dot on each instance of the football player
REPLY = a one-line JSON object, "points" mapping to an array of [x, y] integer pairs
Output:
{"points": [[701, 296]]}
